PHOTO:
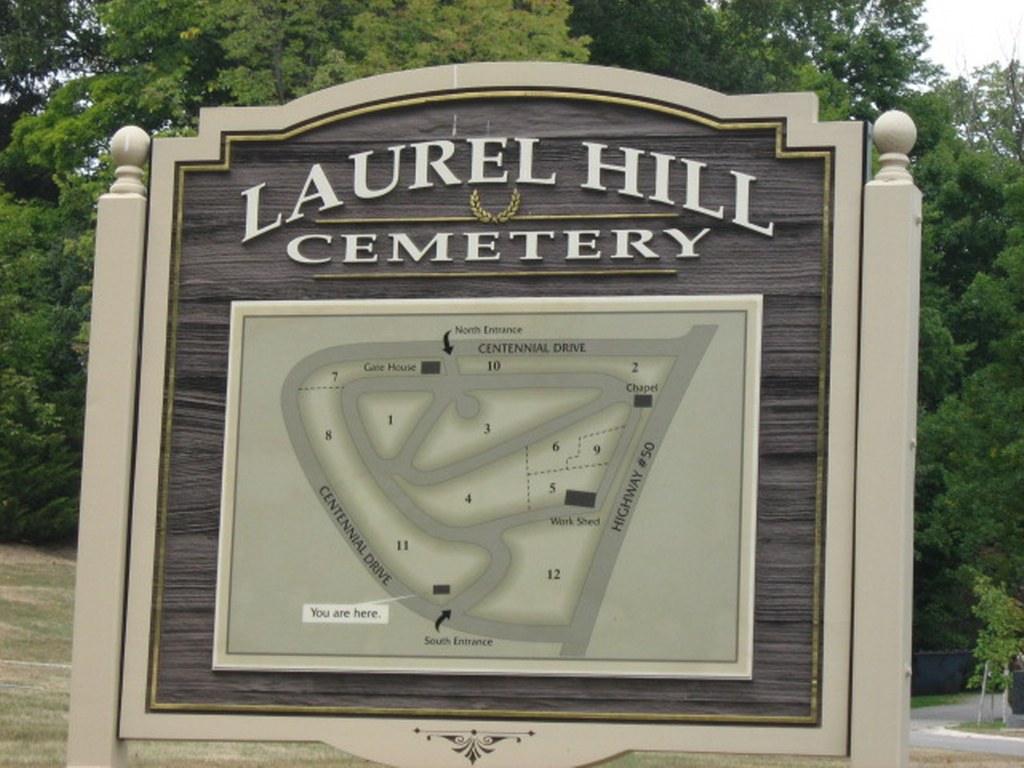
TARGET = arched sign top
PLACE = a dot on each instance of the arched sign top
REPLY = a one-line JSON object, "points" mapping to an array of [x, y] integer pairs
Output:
{"points": [[511, 77], [493, 153]]}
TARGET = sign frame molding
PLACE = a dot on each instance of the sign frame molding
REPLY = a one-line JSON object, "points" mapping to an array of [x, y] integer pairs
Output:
{"points": [[378, 737]]}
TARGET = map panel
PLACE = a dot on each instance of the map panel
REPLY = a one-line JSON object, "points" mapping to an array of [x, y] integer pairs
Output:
{"points": [[557, 486]]}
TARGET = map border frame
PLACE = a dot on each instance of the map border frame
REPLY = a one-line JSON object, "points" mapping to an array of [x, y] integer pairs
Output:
{"points": [[749, 306]]}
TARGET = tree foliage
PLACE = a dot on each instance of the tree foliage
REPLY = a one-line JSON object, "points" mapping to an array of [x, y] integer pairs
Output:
{"points": [[988, 108], [1000, 640], [41, 44], [43, 303], [683, 39], [861, 56], [970, 494], [273, 51], [388, 35]]}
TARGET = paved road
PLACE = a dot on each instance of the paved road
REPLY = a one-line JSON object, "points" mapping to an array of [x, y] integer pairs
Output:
{"points": [[395, 367], [929, 729]]}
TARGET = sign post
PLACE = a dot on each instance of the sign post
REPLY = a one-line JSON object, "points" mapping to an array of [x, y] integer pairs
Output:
{"points": [[887, 436], [107, 464], [501, 414]]}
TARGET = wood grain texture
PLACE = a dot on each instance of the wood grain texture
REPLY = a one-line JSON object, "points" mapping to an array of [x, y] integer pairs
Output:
{"points": [[790, 270]]}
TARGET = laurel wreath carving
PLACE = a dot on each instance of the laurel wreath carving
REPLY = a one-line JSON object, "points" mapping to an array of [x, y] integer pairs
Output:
{"points": [[482, 214]]}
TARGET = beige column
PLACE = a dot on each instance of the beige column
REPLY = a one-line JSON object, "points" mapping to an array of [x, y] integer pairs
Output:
{"points": [[886, 435], [107, 461]]}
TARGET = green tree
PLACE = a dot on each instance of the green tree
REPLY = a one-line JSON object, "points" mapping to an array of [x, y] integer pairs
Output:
{"points": [[873, 49], [164, 60], [1001, 639], [861, 56], [878, 50], [970, 480], [988, 108], [41, 44], [274, 49], [391, 35], [38, 468], [155, 69], [43, 304], [675, 38]]}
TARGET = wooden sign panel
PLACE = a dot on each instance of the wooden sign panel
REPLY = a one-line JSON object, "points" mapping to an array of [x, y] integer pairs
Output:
{"points": [[499, 401]]}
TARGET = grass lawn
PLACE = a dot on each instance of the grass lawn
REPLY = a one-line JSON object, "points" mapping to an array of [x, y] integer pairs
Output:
{"points": [[941, 700], [36, 599]]}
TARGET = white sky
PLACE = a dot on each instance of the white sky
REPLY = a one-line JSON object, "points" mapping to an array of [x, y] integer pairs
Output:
{"points": [[971, 33]]}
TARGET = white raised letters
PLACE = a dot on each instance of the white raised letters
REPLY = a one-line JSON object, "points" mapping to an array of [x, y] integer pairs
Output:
{"points": [[674, 184]]}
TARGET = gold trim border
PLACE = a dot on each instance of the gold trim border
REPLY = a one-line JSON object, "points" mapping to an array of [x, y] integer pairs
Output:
{"points": [[474, 714], [739, 124], [517, 274]]}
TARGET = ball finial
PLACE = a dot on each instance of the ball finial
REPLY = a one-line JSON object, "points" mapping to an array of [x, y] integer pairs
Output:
{"points": [[895, 132], [130, 149], [894, 135], [130, 146]]}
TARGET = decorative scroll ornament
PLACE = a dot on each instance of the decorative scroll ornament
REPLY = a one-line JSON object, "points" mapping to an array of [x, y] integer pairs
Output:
{"points": [[474, 744], [481, 214]]}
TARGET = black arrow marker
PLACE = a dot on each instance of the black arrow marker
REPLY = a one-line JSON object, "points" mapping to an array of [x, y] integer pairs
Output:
{"points": [[448, 348], [444, 616]]}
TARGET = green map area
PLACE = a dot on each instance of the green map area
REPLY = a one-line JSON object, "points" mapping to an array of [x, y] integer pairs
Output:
{"points": [[566, 487]]}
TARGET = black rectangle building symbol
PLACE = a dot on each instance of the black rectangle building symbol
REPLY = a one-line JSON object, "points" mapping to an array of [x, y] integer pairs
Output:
{"points": [[580, 499]]}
